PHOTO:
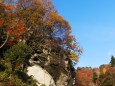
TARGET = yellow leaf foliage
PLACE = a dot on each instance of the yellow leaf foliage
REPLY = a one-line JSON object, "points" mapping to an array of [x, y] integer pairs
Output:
{"points": [[73, 56], [104, 70]]}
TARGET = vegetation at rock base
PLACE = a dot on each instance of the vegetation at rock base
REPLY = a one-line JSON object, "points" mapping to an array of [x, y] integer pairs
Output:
{"points": [[34, 28]]}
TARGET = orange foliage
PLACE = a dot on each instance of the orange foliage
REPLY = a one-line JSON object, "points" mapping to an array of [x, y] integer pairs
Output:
{"points": [[18, 66], [9, 7], [15, 33], [6, 6], [17, 30], [1, 22], [58, 20], [111, 71], [104, 68], [55, 16], [84, 76], [47, 24]]}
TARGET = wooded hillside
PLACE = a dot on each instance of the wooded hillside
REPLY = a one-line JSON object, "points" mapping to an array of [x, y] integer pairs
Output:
{"points": [[33, 29]]}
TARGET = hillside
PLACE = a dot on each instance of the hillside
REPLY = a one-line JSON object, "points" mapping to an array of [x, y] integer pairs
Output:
{"points": [[36, 45], [102, 76]]}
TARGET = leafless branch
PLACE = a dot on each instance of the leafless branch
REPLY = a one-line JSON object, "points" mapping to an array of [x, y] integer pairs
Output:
{"points": [[4, 42]]}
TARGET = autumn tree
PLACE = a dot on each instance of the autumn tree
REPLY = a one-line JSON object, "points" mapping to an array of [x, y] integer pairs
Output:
{"points": [[109, 78], [11, 28], [42, 15], [84, 76], [2, 32], [5, 21], [38, 24]]}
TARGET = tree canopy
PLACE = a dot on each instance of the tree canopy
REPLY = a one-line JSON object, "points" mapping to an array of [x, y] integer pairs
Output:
{"points": [[27, 26]]}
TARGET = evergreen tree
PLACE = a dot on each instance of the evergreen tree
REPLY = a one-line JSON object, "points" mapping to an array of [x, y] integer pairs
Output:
{"points": [[112, 62], [16, 55], [94, 77]]}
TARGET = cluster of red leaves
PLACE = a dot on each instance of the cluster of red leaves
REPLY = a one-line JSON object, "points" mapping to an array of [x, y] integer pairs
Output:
{"points": [[9, 7], [105, 76], [84, 76], [6, 6], [17, 30], [18, 66], [15, 33], [1, 22]]}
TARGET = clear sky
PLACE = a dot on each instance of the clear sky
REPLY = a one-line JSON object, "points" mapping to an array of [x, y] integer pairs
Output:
{"points": [[93, 24]]}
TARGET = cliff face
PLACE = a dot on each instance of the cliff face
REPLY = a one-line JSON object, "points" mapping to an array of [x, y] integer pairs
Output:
{"points": [[48, 59], [41, 75], [45, 72], [44, 78]]}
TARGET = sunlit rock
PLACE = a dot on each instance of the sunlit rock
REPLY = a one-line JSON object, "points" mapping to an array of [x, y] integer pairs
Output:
{"points": [[41, 75]]}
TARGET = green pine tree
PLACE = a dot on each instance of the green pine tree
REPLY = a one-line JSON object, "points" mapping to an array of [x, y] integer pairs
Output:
{"points": [[95, 77], [112, 62]]}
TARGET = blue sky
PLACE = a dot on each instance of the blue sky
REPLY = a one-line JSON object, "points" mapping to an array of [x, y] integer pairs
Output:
{"points": [[93, 24]]}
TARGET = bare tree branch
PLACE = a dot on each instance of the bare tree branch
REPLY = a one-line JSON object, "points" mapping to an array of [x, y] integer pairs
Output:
{"points": [[4, 42]]}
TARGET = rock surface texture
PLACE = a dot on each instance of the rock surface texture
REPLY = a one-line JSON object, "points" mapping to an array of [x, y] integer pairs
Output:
{"points": [[41, 75]]}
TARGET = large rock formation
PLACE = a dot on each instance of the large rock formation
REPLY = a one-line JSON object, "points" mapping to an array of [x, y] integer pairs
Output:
{"points": [[47, 71], [41, 75]]}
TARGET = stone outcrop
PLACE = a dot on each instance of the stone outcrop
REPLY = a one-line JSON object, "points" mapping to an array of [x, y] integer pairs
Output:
{"points": [[41, 75], [49, 72]]}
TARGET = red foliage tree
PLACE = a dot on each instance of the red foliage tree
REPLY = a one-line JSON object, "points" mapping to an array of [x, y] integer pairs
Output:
{"points": [[84, 76], [15, 33]]}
